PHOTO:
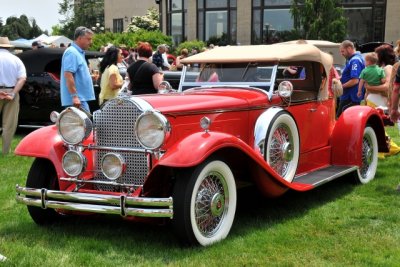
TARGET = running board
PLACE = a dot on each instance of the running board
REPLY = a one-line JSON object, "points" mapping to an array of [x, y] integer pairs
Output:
{"points": [[324, 175]]}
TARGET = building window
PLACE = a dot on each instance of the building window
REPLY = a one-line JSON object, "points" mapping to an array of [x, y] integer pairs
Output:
{"points": [[176, 20], [272, 21], [118, 25], [217, 21]]}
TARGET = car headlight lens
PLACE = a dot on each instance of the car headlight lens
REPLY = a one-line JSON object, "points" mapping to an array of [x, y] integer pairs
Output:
{"points": [[73, 163], [151, 129], [74, 125], [113, 166]]}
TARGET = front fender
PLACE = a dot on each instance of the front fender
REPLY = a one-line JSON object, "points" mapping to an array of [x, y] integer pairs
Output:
{"points": [[196, 147], [43, 143], [348, 133]]}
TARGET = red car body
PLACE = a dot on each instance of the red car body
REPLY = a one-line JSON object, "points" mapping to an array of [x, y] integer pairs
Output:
{"points": [[214, 136]]}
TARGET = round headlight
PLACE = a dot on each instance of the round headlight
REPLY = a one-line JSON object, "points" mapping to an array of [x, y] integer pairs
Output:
{"points": [[73, 163], [285, 89], [151, 129], [74, 125], [113, 166]]}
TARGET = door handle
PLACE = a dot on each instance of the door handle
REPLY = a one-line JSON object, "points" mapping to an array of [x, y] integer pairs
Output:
{"points": [[312, 109]]}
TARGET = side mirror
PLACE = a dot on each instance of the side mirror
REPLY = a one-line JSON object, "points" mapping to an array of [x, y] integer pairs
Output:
{"points": [[285, 89]]}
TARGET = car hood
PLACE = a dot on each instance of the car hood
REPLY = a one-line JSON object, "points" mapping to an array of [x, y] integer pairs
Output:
{"points": [[207, 100]]}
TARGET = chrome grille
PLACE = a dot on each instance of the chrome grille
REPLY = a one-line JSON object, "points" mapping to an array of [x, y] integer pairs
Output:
{"points": [[114, 127]]}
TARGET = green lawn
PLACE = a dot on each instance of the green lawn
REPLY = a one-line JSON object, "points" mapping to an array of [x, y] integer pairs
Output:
{"points": [[338, 224]]}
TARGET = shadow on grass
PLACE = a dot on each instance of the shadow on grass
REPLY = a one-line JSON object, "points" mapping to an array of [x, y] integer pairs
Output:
{"points": [[254, 212]]}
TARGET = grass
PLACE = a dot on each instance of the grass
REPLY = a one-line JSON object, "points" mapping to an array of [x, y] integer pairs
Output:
{"points": [[338, 224]]}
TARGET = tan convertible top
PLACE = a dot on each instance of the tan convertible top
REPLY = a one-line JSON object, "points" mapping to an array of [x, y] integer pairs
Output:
{"points": [[326, 46], [263, 53]]}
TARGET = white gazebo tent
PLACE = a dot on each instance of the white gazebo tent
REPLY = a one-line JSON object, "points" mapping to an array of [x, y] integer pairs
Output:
{"points": [[57, 40]]}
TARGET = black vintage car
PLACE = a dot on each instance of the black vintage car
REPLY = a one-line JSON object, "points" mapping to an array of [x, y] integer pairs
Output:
{"points": [[41, 92]]}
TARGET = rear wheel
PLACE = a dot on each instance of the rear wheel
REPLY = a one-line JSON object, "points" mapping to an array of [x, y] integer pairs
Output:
{"points": [[43, 175], [369, 157], [204, 203]]}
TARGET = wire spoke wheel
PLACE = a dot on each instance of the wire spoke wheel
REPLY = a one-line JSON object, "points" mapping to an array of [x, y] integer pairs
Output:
{"points": [[282, 145], [204, 203], [369, 157], [210, 204]]}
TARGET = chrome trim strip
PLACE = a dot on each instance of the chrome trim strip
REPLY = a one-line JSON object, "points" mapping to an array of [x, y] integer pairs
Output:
{"points": [[217, 110], [96, 203], [142, 104], [123, 149], [81, 181]]}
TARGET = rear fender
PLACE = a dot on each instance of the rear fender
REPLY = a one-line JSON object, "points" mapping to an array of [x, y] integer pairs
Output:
{"points": [[43, 143], [348, 133]]}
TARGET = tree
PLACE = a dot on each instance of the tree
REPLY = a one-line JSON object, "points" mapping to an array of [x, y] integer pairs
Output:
{"points": [[319, 19], [83, 13], [20, 28], [148, 22]]}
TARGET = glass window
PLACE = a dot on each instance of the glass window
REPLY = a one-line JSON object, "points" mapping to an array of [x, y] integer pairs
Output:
{"points": [[359, 27], [256, 3], [278, 19], [357, 2], [200, 25], [176, 4], [217, 23], [176, 27], [256, 28], [277, 2], [216, 4], [118, 25], [233, 26]]}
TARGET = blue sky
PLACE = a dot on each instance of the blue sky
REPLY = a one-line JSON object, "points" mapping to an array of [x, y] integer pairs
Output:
{"points": [[44, 11]]}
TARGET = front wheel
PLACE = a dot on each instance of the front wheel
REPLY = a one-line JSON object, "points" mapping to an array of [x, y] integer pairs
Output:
{"points": [[204, 203], [42, 175], [369, 157]]}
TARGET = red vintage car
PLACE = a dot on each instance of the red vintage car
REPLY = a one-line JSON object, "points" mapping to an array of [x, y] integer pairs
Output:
{"points": [[181, 156]]}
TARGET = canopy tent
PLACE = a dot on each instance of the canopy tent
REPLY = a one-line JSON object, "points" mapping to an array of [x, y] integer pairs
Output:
{"points": [[57, 40], [22, 44], [40, 38]]}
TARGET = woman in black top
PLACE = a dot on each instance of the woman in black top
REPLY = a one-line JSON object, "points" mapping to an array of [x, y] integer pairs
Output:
{"points": [[144, 77]]}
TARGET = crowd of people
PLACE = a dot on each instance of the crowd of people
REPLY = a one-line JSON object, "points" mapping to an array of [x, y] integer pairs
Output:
{"points": [[371, 81]]}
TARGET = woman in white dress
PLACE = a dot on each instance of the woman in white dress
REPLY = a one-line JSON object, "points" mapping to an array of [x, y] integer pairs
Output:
{"points": [[379, 94]]}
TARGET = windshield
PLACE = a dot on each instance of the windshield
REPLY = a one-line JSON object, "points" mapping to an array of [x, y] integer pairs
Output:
{"points": [[228, 74]]}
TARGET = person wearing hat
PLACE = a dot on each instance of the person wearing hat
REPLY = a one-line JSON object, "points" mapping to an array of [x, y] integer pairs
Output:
{"points": [[12, 78], [76, 82]]}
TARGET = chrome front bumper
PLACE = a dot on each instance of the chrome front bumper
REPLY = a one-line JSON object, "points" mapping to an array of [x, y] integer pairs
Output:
{"points": [[95, 203]]}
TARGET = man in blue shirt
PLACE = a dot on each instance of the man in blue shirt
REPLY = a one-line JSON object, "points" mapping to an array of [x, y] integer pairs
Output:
{"points": [[76, 81], [350, 76]]}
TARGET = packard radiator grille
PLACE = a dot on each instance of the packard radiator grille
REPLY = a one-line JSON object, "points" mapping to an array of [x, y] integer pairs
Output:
{"points": [[114, 127]]}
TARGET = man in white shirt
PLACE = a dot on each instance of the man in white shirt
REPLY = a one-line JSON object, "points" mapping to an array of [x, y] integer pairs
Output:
{"points": [[159, 58], [12, 78], [166, 65]]}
